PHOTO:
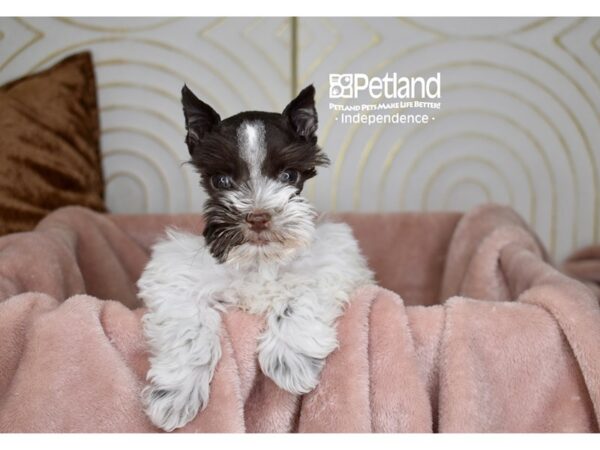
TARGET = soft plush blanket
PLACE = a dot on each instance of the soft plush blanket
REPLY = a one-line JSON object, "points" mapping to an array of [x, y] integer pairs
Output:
{"points": [[469, 329]]}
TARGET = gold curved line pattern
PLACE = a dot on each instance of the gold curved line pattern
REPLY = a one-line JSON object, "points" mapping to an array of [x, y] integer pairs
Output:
{"points": [[50, 56], [115, 61], [281, 32], [245, 33], [143, 87], [466, 180], [555, 66], [460, 160], [37, 36], [362, 163], [537, 110], [285, 38], [531, 52], [595, 39], [426, 194], [558, 41], [452, 114], [138, 154], [516, 72], [240, 92], [528, 27], [129, 29], [207, 94], [321, 57], [533, 25], [137, 179], [566, 108], [337, 170], [159, 141], [203, 34], [538, 147], [570, 113], [396, 150], [593, 159], [339, 162], [154, 138], [149, 42], [374, 42], [166, 119], [309, 36], [553, 183], [365, 154], [475, 135]]}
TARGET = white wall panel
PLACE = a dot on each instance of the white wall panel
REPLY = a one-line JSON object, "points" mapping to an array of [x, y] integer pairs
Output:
{"points": [[520, 121]]}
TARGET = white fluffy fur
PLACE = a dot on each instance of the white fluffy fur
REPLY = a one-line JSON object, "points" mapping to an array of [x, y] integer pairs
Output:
{"points": [[301, 287], [251, 140]]}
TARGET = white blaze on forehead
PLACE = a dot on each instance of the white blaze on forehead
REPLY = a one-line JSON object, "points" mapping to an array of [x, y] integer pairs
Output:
{"points": [[251, 139]]}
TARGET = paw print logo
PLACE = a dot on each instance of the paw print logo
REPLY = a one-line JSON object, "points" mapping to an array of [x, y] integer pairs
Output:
{"points": [[340, 85]]}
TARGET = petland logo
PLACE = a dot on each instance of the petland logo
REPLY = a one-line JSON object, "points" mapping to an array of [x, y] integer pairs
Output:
{"points": [[394, 99], [390, 86]]}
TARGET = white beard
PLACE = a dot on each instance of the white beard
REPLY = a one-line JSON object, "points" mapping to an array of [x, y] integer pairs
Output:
{"points": [[292, 226]]}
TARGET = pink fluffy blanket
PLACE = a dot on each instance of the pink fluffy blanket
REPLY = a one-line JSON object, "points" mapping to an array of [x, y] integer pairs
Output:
{"points": [[469, 329]]}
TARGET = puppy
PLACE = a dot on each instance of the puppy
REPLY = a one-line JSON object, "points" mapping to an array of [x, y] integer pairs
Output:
{"points": [[262, 250]]}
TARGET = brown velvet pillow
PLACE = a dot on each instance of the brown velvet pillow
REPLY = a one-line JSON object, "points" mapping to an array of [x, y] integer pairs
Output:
{"points": [[49, 144]]}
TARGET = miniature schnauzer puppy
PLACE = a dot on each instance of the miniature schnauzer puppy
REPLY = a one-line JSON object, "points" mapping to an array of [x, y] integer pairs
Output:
{"points": [[263, 249]]}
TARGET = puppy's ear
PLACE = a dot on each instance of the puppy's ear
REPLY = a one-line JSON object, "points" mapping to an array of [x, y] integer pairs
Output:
{"points": [[301, 113], [200, 118]]}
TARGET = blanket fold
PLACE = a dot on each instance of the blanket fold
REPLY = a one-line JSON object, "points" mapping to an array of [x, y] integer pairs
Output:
{"points": [[469, 328]]}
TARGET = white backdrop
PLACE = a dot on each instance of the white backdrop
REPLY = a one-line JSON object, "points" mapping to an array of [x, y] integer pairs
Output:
{"points": [[520, 122]]}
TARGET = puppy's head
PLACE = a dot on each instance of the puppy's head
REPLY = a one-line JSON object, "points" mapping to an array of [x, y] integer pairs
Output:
{"points": [[253, 167]]}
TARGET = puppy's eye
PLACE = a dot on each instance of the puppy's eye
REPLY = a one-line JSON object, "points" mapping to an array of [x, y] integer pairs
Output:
{"points": [[289, 176], [221, 181]]}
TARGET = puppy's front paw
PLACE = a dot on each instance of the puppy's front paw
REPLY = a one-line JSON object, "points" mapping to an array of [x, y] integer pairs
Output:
{"points": [[169, 409], [292, 371]]}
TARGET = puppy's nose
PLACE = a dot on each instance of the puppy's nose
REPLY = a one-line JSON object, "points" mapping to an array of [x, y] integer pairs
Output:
{"points": [[259, 220]]}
